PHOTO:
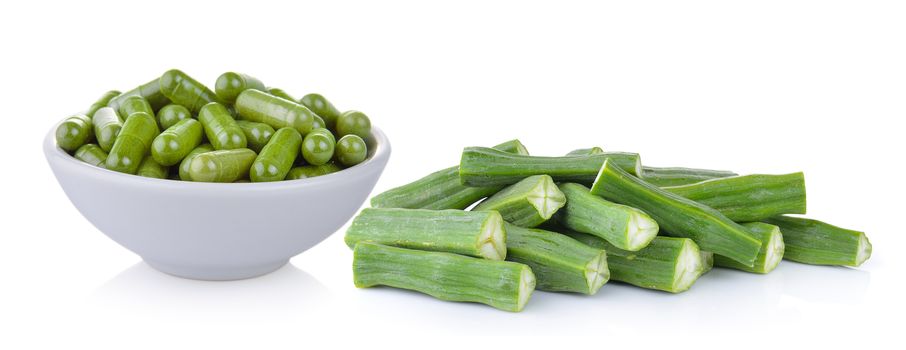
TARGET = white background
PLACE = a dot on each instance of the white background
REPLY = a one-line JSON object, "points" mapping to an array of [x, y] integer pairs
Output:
{"points": [[755, 86]]}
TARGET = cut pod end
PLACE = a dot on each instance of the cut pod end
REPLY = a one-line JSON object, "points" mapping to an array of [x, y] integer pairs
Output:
{"points": [[546, 197], [526, 287], [773, 250], [688, 267], [642, 229], [597, 273], [863, 250], [492, 242]]}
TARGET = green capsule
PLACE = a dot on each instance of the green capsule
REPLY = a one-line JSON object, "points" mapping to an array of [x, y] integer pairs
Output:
{"points": [[220, 127], [107, 126], [318, 146], [132, 144], [323, 108], [150, 91], [221, 166], [74, 132], [102, 102], [171, 114], [318, 123], [184, 90], [354, 123], [172, 145], [187, 161], [134, 104], [257, 106], [256, 134], [307, 171], [351, 150], [92, 154], [151, 168], [280, 93], [277, 156], [229, 85]]}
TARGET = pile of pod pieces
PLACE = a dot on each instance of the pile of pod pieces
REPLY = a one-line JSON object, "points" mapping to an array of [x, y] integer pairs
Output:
{"points": [[175, 127], [572, 223]]}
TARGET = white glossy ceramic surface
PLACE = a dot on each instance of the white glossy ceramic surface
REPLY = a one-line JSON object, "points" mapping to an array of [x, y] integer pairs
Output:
{"points": [[213, 231]]}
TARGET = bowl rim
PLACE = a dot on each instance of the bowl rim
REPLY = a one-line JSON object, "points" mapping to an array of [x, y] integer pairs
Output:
{"points": [[376, 155]]}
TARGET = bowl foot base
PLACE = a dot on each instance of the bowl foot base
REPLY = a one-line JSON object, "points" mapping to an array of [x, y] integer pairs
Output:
{"points": [[215, 273]]}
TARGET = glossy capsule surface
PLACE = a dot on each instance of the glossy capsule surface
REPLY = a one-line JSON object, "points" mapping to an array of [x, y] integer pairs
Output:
{"points": [[132, 144], [262, 107], [150, 91], [351, 150], [91, 154], [280, 93], [222, 166], [153, 169], [354, 123], [107, 126], [187, 161], [307, 171], [133, 104], [102, 102], [220, 127], [277, 157], [172, 114], [318, 146], [230, 84], [182, 89], [172, 145], [74, 132], [256, 134], [323, 108]]}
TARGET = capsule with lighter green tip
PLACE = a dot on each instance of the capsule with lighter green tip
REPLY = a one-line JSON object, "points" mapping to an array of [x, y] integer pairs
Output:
{"points": [[351, 150], [262, 107], [107, 126], [750, 197], [528, 203], [560, 263], [318, 146], [818, 243], [307, 171], [153, 169], [171, 114], [678, 216], [256, 134], [771, 253], [323, 108], [187, 161], [625, 227], [474, 233], [172, 145], [150, 91], [220, 127], [678, 176], [221, 166], [230, 84], [277, 157], [182, 89], [74, 132], [669, 264], [278, 92], [133, 104], [91, 154], [482, 167], [505, 285], [353, 123], [132, 144]]}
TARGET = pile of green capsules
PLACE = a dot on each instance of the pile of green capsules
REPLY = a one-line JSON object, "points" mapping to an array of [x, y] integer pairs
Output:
{"points": [[572, 223], [175, 127]]}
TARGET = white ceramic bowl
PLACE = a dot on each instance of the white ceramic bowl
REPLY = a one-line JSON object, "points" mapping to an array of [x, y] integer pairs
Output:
{"points": [[214, 231]]}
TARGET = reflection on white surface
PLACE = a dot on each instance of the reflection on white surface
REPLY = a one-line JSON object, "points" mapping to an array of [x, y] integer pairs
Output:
{"points": [[283, 294]]}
